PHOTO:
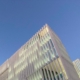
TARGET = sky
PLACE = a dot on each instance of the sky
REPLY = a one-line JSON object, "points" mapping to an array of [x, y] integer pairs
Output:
{"points": [[21, 19]]}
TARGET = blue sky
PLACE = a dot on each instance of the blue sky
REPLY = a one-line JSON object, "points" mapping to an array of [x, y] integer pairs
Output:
{"points": [[21, 19]]}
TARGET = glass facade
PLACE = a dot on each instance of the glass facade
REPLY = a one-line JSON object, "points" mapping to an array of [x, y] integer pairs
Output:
{"points": [[38, 59], [76, 64]]}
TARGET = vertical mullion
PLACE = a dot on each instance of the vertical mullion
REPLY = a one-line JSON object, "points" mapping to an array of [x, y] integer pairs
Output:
{"points": [[50, 71], [53, 64], [50, 67], [47, 68]]}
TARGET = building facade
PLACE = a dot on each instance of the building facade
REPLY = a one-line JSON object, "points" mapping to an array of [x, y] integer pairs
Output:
{"points": [[43, 57], [76, 64]]}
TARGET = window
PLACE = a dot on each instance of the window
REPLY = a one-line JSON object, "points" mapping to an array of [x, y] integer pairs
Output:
{"points": [[43, 74], [61, 75], [57, 75], [50, 74], [46, 73], [53, 75], [51, 43]]}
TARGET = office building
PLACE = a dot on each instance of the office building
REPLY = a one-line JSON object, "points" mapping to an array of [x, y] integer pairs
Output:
{"points": [[76, 64], [43, 57]]}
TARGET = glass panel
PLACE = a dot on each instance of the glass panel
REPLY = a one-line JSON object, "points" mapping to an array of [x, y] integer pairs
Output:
{"points": [[43, 74], [46, 74]]}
